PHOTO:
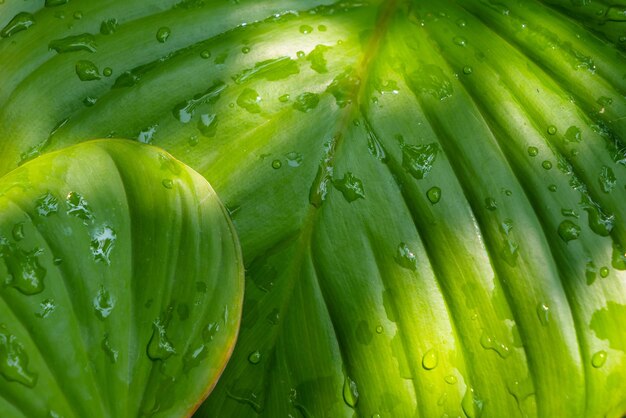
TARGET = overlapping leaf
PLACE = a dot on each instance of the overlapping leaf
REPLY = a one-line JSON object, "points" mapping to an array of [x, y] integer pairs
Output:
{"points": [[122, 285], [429, 194]]}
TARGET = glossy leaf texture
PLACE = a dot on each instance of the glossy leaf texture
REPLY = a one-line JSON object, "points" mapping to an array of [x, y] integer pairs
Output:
{"points": [[429, 194], [122, 284]]}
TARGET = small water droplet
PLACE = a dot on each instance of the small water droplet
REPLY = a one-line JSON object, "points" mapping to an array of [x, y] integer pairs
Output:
{"points": [[573, 134], [276, 164], [167, 183], [294, 159], [459, 40], [598, 359], [543, 313], [350, 392], [163, 33], [553, 188], [607, 179], [467, 70], [107, 72], [245, 50], [533, 151], [418, 160], [284, 98], [103, 303], [78, 15], [108, 26], [300, 54], [552, 130], [430, 360], [379, 329], [321, 28], [54, 3], [249, 99], [472, 405], [491, 204], [450, 379], [568, 231], [14, 361], [604, 272], [25, 272], [405, 257], [205, 54], [108, 350], [102, 243], [18, 231], [434, 194], [590, 272], [82, 42], [77, 206], [87, 71], [490, 343], [146, 135], [306, 29], [306, 102], [160, 347], [254, 357], [46, 308], [20, 22], [547, 165], [350, 186], [47, 205], [461, 23]]}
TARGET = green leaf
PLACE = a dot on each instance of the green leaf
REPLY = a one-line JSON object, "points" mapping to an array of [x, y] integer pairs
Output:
{"points": [[122, 284], [429, 194]]}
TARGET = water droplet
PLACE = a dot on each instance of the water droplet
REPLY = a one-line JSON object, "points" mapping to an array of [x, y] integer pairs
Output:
{"points": [[459, 40], [254, 357], [573, 134], [450, 379], [472, 405], [276, 164], [108, 350], [146, 135], [430, 360], [547, 165], [306, 102], [344, 87], [87, 71], [160, 347], [434, 194], [490, 343], [350, 392], [103, 303], [47, 205], [107, 72], [46, 308], [607, 179], [543, 313], [350, 186], [108, 26], [533, 151], [321, 28], [102, 243], [598, 359], [25, 272], [618, 258], [53, 3], [405, 257], [82, 42], [461, 23], [78, 15], [553, 188], [418, 160], [14, 361], [590, 272], [207, 125], [271, 70], [245, 50], [294, 159], [467, 70], [552, 130], [317, 59], [167, 183], [20, 22], [379, 329], [193, 140], [163, 33], [206, 54], [77, 206], [306, 29], [284, 98], [568, 231], [491, 204], [18, 231], [604, 272], [249, 99], [300, 54], [432, 80], [185, 111]]}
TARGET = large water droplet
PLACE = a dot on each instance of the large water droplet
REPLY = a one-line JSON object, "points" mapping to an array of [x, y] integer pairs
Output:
{"points": [[20, 22], [598, 359], [430, 360], [573, 134], [306, 102], [25, 272], [14, 361], [87, 71], [103, 303], [306, 29], [350, 186], [490, 343], [207, 125], [405, 257], [77, 206], [163, 34], [568, 230], [47, 205], [472, 405], [350, 392], [82, 42], [160, 347], [249, 99], [434, 194], [102, 243], [344, 87], [317, 59], [419, 159], [607, 179]]}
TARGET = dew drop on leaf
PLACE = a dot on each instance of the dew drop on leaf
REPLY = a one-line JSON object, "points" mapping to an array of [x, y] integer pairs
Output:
{"points": [[249, 99], [573, 134], [77, 206], [450, 379], [350, 392], [294, 159], [25, 272], [276, 164], [569, 231], [14, 361], [46, 307], [87, 71], [434, 195], [102, 243], [159, 347], [418, 160], [163, 33], [108, 350], [551, 130], [604, 272], [543, 313], [54, 3], [108, 26], [430, 360], [405, 257], [47, 205], [598, 359], [306, 102], [82, 42], [547, 165], [533, 151], [254, 357], [103, 303], [350, 186], [472, 405], [18, 231], [306, 29], [20, 22]]}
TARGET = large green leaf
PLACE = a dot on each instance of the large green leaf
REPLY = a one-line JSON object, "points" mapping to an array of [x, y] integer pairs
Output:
{"points": [[429, 194], [123, 285]]}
